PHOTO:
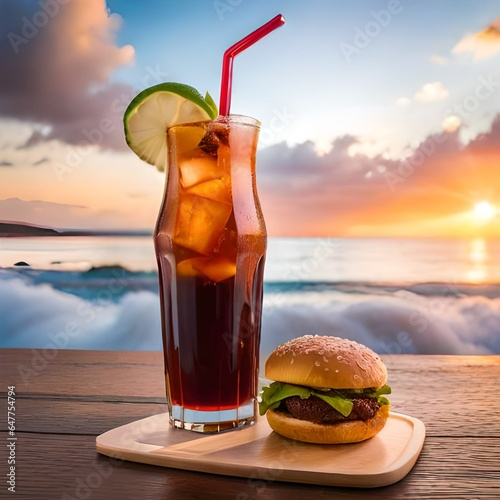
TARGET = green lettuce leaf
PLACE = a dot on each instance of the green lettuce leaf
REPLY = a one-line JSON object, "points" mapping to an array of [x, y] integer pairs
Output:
{"points": [[381, 400], [342, 405], [278, 391], [383, 390]]}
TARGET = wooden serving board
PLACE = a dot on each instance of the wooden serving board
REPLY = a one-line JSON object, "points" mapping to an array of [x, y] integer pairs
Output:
{"points": [[259, 453]]}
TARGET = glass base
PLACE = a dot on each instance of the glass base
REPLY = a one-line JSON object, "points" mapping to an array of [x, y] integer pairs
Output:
{"points": [[213, 421]]}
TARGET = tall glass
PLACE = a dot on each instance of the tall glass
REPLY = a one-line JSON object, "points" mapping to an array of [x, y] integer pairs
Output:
{"points": [[210, 242]]}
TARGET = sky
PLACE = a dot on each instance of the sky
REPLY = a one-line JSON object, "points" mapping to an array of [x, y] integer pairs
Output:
{"points": [[379, 118]]}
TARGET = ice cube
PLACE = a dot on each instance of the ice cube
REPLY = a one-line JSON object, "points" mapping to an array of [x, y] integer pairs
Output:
{"points": [[214, 268], [187, 137], [216, 189], [200, 223], [197, 169], [186, 268]]}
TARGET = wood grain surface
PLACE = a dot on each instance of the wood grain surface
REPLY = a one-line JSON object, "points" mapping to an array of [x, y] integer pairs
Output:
{"points": [[64, 403]]}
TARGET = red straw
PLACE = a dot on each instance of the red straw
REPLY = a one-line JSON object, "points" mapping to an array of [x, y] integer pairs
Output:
{"points": [[234, 50]]}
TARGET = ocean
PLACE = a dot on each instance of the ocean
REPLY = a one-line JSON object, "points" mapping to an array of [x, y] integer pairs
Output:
{"points": [[417, 296]]}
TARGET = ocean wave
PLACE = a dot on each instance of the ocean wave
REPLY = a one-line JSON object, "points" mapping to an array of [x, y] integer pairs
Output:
{"points": [[96, 283], [436, 289], [400, 323], [123, 280], [42, 317], [116, 309]]}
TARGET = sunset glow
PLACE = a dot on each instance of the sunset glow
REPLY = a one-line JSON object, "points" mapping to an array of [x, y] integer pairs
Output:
{"points": [[484, 211], [339, 154]]}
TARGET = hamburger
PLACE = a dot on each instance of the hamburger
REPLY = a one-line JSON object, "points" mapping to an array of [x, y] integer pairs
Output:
{"points": [[326, 390]]}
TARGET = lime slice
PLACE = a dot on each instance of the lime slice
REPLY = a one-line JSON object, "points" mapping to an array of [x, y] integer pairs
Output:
{"points": [[157, 108]]}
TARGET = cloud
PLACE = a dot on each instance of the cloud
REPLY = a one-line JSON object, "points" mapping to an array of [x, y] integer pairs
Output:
{"points": [[451, 123], [302, 191], [58, 74], [403, 102], [482, 45], [40, 162], [6, 164], [439, 60], [39, 212], [338, 194], [429, 92], [61, 215], [434, 91]]}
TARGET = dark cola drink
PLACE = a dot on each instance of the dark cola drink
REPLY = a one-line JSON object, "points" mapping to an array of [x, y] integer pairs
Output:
{"points": [[210, 242]]}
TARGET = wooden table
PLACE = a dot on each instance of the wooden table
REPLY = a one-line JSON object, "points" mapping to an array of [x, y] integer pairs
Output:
{"points": [[64, 399]]}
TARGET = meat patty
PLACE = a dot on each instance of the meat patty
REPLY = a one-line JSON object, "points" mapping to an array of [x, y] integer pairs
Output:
{"points": [[316, 410]]}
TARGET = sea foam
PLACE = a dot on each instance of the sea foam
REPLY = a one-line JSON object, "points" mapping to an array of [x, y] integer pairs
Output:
{"points": [[119, 310]]}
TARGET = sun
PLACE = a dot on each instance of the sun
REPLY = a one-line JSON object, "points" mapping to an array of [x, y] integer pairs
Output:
{"points": [[484, 211]]}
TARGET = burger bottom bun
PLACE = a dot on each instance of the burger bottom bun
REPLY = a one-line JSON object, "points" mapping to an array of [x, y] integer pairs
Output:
{"points": [[352, 431]]}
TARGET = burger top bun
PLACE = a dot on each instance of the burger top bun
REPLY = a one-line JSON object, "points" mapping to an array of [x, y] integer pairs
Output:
{"points": [[325, 361]]}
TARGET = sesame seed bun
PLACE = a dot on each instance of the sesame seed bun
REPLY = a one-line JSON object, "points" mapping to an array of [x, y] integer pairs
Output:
{"points": [[326, 362]]}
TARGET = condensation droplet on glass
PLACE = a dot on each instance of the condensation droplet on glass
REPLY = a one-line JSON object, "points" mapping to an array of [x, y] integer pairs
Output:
{"points": [[291, 361], [339, 358], [336, 371], [317, 363]]}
